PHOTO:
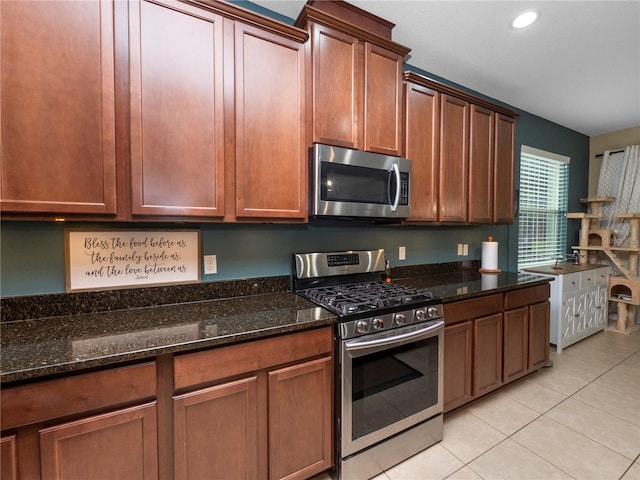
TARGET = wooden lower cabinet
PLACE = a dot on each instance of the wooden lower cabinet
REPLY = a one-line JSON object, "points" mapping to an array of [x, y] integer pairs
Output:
{"points": [[516, 343], [458, 364], [526, 331], [300, 419], [94, 425], [215, 431], [487, 354], [118, 444], [266, 413], [539, 324], [258, 409], [8, 458], [493, 340]]}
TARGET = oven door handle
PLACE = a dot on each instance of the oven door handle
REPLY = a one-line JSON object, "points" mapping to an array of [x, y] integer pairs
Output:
{"points": [[364, 346]]}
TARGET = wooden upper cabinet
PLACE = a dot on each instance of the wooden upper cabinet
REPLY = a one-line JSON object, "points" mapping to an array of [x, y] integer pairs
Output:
{"points": [[454, 159], [504, 169], [177, 110], [421, 137], [270, 154], [335, 88], [354, 78], [383, 100], [472, 142], [58, 153], [481, 169]]}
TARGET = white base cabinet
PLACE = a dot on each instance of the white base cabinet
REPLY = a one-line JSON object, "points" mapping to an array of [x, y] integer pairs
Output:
{"points": [[578, 306]]}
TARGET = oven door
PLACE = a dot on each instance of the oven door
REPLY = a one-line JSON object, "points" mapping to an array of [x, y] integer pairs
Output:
{"points": [[390, 382]]}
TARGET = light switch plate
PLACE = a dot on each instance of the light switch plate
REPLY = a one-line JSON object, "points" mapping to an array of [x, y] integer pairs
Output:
{"points": [[402, 253], [210, 264]]}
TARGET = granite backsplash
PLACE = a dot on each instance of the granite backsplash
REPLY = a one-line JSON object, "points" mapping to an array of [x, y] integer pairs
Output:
{"points": [[60, 304]]}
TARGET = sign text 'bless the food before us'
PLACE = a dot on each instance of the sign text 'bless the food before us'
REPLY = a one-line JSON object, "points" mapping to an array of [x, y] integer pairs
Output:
{"points": [[110, 259]]}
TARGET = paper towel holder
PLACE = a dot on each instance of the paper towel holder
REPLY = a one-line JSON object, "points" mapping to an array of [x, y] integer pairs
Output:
{"points": [[489, 270], [486, 270]]}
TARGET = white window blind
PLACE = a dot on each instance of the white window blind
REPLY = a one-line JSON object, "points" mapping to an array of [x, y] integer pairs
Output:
{"points": [[544, 186]]}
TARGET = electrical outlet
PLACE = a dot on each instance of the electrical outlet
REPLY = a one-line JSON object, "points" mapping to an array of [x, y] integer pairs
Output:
{"points": [[402, 253], [459, 249], [465, 249], [210, 264]]}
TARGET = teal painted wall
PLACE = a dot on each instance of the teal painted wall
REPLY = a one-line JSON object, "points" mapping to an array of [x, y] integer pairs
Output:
{"points": [[32, 253]]}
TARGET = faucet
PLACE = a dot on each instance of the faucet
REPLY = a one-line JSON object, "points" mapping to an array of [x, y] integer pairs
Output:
{"points": [[577, 255]]}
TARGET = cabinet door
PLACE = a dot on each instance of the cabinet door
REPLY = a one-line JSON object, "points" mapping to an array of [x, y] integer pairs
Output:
{"points": [[516, 343], [590, 312], [8, 458], [454, 151], [601, 306], [300, 419], [176, 81], [581, 312], [487, 354], [57, 92], [383, 97], [538, 335], [570, 316], [481, 165], [503, 192], [457, 365], [216, 432], [421, 136], [121, 444], [271, 159], [336, 87]]}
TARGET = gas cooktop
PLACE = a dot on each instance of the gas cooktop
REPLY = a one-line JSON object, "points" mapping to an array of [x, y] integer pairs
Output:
{"points": [[366, 297]]}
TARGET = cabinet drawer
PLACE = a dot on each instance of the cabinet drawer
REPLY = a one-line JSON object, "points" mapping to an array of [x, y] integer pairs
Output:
{"points": [[474, 308], [218, 363], [588, 278], [571, 282], [602, 276], [526, 296], [51, 399]]}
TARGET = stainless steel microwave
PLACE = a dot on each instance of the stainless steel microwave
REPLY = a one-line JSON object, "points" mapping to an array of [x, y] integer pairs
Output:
{"points": [[348, 183]]}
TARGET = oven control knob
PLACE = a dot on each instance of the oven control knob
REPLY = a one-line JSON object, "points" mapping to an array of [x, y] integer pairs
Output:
{"points": [[362, 326], [421, 315], [377, 324], [432, 312], [400, 318]]}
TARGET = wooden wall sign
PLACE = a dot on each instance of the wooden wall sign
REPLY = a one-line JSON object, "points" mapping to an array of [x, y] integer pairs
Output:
{"points": [[100, 260]]}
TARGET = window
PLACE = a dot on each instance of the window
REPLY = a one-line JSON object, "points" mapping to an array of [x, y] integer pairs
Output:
{"points": [[544, 186]]}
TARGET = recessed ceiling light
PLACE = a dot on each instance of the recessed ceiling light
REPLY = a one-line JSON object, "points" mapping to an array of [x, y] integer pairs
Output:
{"points": [[525, 19]]}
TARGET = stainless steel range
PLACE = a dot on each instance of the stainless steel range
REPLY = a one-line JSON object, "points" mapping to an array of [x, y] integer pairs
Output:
{"points": [[389, 350]]}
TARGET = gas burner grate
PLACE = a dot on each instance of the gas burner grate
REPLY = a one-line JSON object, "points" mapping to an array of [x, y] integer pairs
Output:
{"points": [[352, 298]]}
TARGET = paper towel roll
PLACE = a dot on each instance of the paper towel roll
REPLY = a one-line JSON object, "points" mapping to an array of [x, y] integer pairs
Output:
{"points": [[490, 256]]}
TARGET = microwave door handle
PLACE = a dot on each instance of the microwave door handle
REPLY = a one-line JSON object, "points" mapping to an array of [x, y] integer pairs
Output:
{"points": [[396, 201]]}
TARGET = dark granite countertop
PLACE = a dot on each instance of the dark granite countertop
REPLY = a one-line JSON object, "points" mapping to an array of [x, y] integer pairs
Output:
{"points": [[451, 287], [47, 346], [54, 345]]}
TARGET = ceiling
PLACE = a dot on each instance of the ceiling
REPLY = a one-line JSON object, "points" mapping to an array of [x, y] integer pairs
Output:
{"points": [[578, 66]]}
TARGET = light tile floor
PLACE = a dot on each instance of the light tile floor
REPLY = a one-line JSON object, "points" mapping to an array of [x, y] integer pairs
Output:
{"points": [[579, 419]]}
